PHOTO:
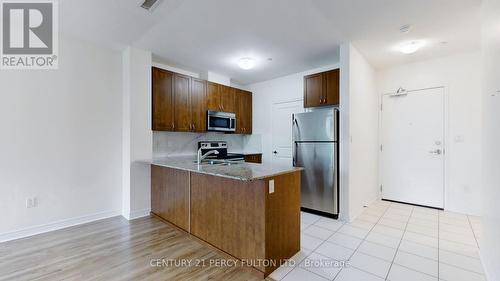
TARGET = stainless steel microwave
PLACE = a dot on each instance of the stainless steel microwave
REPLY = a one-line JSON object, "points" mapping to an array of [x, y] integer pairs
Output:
{"points": [[221, 121]]}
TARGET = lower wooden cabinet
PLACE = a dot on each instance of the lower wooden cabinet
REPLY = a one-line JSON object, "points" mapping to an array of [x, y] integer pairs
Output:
{"points": [[253, 158], [241, 218], [170, 195]]}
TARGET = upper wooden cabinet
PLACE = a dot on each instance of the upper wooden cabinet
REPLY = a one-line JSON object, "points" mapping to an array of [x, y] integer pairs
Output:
{"points": [[220, 98], [180, 103], [213, 97], [322, 89], [227, 98], [243, 112], [163, 100], [198, 104]]}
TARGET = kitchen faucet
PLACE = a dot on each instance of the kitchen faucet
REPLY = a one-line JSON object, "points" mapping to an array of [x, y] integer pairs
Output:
{"points": [[201, 157]]}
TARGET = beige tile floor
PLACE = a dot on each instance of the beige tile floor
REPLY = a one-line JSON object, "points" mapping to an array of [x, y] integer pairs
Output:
{"points": [[388, 241]]}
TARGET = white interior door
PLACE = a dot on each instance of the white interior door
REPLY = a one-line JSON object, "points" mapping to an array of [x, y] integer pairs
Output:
{"points": [[282, 130], [413, 147]]}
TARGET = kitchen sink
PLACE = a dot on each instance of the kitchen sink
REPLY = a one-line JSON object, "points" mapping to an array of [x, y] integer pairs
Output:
{"points": [[216, 162]]}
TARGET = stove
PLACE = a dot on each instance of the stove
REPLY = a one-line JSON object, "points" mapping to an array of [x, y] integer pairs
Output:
{"points": [[221, 147]]}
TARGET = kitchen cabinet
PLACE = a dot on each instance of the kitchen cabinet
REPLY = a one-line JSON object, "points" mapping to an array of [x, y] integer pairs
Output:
{"points": [[243, 111], [180, 103], [232, 209], [227, 98], [198, 105], [321, 89], [182, 106], [253, 158], [220, 98], [332, 87], [213, 97], [162, 100], [170, 195]]}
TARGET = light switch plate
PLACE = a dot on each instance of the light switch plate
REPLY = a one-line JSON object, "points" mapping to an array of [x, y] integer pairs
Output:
{"points": [[271, 186]]}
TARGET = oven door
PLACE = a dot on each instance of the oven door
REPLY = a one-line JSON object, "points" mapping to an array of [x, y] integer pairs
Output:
{"points": [[221, 121]]}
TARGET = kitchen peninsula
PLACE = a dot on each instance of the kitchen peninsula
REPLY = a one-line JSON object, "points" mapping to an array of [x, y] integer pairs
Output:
{"points": [[250, 211]]}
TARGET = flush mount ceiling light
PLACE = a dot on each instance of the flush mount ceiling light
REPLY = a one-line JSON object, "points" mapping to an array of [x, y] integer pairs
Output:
{"points": [[246, 63], [410, 47]]}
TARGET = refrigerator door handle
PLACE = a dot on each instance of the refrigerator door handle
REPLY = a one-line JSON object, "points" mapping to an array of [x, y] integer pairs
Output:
{"points": [[294, 154]]}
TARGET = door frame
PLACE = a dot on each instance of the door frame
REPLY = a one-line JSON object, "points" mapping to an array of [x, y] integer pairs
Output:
{"points": [[276, 102], [446, 138]]}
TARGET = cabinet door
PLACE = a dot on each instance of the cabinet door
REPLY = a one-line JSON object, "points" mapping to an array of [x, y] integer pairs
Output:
{"points": [[247, 113], [313, 90], [170, 195], [213, 97], [182, 117], [253, 158], [332, 84], [239, 101], [198, 105], [227, 98], [162, 100]]}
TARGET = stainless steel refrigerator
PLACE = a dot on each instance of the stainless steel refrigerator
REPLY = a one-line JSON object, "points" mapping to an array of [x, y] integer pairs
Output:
{"points": [[316, 149]]}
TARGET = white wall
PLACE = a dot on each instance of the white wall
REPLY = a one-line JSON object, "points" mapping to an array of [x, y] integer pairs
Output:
{"points": [[362, 135], [137, 134], [266, 93], [460, 75], [60, 141], [490, 242]]}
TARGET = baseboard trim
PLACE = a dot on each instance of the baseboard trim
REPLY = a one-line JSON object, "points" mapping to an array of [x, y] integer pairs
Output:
{"points": [[137, 214], [39, 229], [401, 202]]}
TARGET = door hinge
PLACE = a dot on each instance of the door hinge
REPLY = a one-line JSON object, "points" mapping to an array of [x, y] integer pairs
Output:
{"points": [[381, 147], [380, 187], [381, 107]]}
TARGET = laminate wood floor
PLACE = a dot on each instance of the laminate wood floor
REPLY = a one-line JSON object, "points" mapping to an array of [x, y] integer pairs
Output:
{"points": [[114, 249]]}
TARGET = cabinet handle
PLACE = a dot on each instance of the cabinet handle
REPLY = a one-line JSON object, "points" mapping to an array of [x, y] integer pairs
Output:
{"points": [[173, 125], [320, 101], [194, 127]]}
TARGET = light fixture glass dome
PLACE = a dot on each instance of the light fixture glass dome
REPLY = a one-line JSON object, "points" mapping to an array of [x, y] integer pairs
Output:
{"points": [[246, 63], [410, 47]]}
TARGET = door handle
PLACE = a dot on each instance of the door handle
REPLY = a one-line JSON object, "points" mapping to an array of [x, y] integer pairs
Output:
{"points": [[437, 151]]}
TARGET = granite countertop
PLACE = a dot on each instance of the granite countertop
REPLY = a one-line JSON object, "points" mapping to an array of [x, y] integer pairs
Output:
{"points": [[239, 171], [245, 152]]}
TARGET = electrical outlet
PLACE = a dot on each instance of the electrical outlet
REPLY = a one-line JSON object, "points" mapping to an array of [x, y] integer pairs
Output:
{"points": [[271, 186], [31, 202]]}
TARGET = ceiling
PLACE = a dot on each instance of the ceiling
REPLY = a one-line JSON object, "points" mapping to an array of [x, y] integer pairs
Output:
{"points": [[297, 35]]}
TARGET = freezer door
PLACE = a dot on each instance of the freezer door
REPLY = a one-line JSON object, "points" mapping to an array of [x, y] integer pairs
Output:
{"points": [[320, 125], [319, 177]]}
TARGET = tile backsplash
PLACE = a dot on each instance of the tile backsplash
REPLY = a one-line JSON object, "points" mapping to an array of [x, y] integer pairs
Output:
{"points": [[176, 143]]}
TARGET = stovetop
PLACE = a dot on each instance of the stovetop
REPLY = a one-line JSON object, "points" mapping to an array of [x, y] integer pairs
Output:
{"points": [[221, 147]]}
